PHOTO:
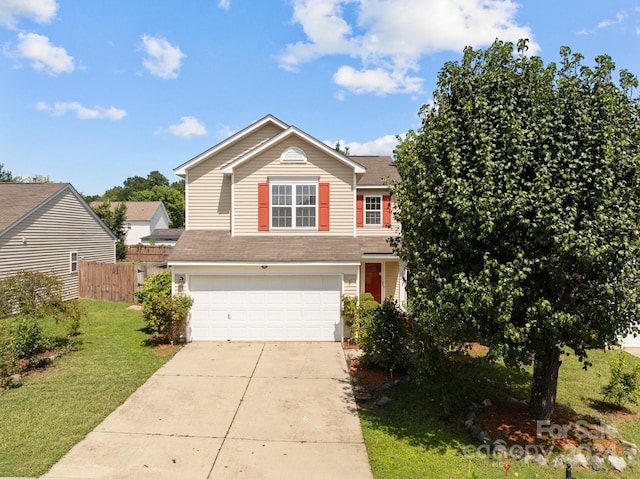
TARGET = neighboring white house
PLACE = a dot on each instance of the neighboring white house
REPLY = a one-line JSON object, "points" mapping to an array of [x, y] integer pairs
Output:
{"points": [[143, 217], [48, 227]]}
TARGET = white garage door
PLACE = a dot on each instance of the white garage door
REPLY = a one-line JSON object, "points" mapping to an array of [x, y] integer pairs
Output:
{"points": [[269, 308]]}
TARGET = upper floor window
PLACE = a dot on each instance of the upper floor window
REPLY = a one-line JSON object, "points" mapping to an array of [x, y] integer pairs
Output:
{"points": [[373, 210], [73, 261], [294, 205]]}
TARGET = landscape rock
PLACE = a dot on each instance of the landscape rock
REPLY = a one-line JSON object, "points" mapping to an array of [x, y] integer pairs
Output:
{"points": [[597, 463], [557, 461], [578, 460], [383, 401], [617, 463], [540, 460]]}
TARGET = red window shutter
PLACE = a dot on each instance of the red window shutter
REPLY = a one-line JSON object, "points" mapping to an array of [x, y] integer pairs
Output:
{"points": [[359, 210], [323, 210], [386, 210], [263, 206]]}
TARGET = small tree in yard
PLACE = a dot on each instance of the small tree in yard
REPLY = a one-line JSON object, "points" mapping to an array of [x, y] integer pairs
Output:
{"points": [[520, 209]]}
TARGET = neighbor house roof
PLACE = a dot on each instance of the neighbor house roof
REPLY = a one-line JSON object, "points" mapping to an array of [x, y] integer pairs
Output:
{"points": [[136, 210], [220, 246], [19, 200], [380, 170], [166, 234]]}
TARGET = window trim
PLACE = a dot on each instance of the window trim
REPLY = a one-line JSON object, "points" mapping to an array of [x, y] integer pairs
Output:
{"points": [[293, 183], [365, 210], [73, 263]]}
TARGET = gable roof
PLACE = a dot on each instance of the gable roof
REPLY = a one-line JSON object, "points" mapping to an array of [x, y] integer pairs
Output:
{"points": [[269, 119], [290, 131], [18, 201], [136, 210], [380, 170]]}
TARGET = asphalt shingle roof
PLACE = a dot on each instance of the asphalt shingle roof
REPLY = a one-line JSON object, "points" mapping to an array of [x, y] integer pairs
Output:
{"points": [[19, 199], [380, 169], [136, 210], [219, 246]]}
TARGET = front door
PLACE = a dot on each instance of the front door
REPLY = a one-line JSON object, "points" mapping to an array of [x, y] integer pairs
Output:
{"points": [[373, 280]]}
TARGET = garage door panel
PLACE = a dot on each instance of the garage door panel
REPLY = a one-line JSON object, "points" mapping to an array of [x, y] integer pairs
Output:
{"points": [[265, 307]]}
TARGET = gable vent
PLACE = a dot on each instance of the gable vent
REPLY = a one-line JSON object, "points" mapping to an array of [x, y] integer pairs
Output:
{"points": [[293, 155]]}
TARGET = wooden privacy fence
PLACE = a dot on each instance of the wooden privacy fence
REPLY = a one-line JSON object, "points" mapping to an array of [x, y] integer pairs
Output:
{"points": [[148, 254], [113, 282]]}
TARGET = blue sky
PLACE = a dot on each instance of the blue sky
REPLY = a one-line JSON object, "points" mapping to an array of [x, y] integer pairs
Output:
{"points": [[95, 91]]}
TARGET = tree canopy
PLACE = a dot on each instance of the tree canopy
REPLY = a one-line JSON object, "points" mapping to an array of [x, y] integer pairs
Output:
{"points": [[155, 187], [520, 209]]}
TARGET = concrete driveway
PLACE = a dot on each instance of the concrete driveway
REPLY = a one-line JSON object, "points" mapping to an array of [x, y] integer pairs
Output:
{"points": [[229, 410]]}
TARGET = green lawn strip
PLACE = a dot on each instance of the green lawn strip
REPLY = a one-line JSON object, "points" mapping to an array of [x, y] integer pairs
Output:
{"points": [[421, 434], [57, 407]]}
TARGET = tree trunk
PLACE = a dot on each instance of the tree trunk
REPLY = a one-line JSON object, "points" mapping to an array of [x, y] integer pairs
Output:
{"points": [[545, 383]]}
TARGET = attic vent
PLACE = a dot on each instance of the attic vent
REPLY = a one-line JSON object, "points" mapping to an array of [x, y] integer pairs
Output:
{"points": [[293, 155]]}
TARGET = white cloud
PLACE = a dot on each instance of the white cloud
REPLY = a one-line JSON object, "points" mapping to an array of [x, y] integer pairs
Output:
{"points": [[40, 11], [388, 37], [163, 59], [82, 112], [189, 126], [620, 17], [382, 146], [224, 4], [43, 56], [378, 81]]}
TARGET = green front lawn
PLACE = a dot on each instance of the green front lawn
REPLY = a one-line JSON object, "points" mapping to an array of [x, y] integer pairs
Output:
{"points": [[56, 407], [421, 434]]}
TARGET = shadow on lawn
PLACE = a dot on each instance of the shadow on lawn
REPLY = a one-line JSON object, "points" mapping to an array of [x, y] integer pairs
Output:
{"points": [[429, 412]]}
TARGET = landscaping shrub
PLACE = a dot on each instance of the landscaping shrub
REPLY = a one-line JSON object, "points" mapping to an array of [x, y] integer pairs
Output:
{"points": [[155, 284], [30, 293], [167, 316], [384, 336], [624, 386], [24, 338]]}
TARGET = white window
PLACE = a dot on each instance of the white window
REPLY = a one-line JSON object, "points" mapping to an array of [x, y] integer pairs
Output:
{"points": [[373, 210], [294, 205], [73, 261]]}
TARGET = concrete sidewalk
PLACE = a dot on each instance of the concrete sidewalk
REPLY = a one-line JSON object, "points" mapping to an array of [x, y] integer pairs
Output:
{"points": [[228, 410]]}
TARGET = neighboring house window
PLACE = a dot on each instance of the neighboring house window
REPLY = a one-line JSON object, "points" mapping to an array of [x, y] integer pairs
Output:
{"points": [[293, 205], [373, 210], [73, 262]]}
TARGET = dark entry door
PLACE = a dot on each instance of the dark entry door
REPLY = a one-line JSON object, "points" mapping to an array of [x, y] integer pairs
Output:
{"points": [[373, 280]]}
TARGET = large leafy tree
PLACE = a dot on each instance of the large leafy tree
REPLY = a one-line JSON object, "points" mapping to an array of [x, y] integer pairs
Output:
{"points": [[172, 198], [520, 209]]}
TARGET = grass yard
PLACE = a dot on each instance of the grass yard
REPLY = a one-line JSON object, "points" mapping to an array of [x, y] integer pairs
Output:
{"points": [[56, 407], [421, 434]]}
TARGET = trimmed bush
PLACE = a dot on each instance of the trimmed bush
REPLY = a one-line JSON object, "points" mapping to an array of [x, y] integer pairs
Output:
{"points": [[384, 337]]}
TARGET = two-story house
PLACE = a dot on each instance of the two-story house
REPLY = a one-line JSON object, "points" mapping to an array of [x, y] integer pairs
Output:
{"points": [[278, 227]]}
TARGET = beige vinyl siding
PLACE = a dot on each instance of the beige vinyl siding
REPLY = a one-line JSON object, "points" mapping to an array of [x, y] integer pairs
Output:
{"points": [[392, 280], [209, 191], [349, 285], [325, 168], [43, 242], [394, 230]]}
